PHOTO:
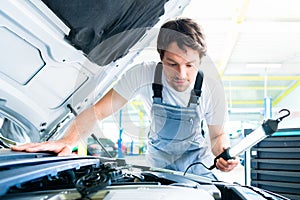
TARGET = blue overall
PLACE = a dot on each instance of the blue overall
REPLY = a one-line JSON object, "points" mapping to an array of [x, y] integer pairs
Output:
{"points": [[175, 137]]}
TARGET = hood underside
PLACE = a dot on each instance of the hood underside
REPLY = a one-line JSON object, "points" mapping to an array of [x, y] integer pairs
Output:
{"points": [[59, 57], [106, 30]]}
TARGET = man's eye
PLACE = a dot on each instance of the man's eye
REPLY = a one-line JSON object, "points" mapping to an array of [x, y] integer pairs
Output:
{"points": [[172, 65]]}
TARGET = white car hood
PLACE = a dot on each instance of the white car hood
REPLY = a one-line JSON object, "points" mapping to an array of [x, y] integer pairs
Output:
{"points": [[59, 57]]}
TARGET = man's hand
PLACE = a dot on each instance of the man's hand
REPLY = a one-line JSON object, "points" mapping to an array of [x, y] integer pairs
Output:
{"points": [[58, 147], [226, 166]]}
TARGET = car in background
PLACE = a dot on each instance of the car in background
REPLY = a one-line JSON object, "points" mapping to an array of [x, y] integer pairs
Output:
{"points": [[96, 149]]}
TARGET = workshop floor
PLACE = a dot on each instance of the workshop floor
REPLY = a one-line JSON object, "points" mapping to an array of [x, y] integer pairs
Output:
{"points": [[237, 175]]}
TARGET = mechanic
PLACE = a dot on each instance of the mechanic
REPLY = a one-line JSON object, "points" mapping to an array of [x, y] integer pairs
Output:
{"points": [[177, 107]]}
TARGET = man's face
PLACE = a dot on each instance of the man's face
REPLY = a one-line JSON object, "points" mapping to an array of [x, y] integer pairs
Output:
{"points": [[180, 66]]}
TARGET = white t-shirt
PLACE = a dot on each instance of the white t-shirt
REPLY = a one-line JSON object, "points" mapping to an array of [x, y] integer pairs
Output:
{"points": [[138, 81]]}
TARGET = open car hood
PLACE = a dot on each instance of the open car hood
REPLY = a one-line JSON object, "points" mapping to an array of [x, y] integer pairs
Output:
{"points": [[59, 57]]}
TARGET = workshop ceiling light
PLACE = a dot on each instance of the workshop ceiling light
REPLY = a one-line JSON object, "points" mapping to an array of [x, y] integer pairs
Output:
{"points": [[263, 65]]}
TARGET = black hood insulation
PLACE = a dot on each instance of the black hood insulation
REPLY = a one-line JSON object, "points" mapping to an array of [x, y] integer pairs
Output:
{"points": [[106, 29]]}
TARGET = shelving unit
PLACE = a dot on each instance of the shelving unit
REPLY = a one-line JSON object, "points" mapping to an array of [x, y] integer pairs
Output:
{"points": [[275, 163]]}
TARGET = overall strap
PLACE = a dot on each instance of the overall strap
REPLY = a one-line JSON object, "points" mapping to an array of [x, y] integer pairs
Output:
{"points": [[157, 86], [196, 92]]}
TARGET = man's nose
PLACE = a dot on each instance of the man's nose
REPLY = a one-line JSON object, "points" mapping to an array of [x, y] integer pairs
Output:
{"points": [[181, 71]]}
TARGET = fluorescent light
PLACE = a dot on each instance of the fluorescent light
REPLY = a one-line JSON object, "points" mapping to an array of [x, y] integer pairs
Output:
{"points": [[263, 65]]}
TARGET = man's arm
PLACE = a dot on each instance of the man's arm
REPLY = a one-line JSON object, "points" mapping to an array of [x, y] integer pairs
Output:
{"points": [[80, 127], [219, 142]]}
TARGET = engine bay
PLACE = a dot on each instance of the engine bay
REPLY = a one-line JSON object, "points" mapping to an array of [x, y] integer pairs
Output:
{"points": [[46, 176]]}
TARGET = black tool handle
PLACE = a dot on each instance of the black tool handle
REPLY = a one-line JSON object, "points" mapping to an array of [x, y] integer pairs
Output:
{"points": [[225, 155]]}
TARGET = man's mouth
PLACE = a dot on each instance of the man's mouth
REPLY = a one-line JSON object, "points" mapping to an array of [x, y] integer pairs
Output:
{"points": [[179, 81]]}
